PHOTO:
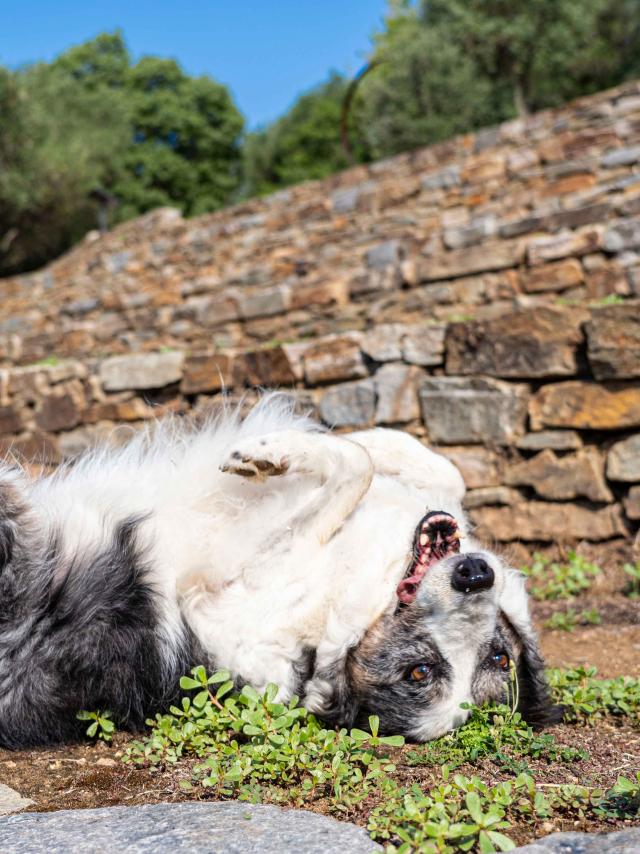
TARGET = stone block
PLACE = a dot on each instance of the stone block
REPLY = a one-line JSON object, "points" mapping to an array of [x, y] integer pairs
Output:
{"points": [[480, 467], [382, 343], [563, 245], [333, 359], [263, 302], [632, 503], [613, 336], [269, 367], [555, 276], [539, 343], [623, 460], [141, 370], [35, 447], [387, 254], [622, 235], [397, 395], [213, 311], [554, 440], [11, 420], [586, 406], [206, 372], [475, 259], [491, 495], [444, 179], [579, 475], [57, 412], [469, 235], [475, 410], [621, 157], [543, 521], [349, 405], [423, 344]]}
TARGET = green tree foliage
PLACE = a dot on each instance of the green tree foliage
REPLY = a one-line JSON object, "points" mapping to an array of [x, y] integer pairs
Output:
{"points": [[304, 144], [145, 132], [58, 141], [185, 131]]}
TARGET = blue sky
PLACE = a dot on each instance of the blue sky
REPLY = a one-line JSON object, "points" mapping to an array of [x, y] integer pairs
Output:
{"points": [[266, 51]]}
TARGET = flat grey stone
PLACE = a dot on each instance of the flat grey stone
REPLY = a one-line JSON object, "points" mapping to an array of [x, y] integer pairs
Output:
{"points": [[622, 842], [12, 801], [216, 828], [141, 370]]}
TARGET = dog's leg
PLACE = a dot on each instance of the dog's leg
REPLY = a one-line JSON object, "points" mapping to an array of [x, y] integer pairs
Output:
{"points": [[342, 470], [400, 455]]}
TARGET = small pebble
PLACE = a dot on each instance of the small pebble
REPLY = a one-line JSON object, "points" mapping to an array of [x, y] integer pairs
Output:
{"points": [[106, 762]]}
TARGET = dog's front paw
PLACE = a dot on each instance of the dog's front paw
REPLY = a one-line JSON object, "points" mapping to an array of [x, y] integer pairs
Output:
{"points": [[256, 458]]}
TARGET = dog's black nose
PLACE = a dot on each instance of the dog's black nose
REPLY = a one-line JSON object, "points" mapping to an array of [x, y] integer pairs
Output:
{"points": [[471, 575]]}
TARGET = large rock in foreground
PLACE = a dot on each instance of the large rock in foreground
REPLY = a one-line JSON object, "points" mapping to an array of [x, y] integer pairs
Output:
{"points": [[227, 828], [623, 842]]}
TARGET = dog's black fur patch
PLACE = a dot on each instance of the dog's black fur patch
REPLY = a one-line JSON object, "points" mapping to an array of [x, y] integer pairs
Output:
{"points": [[88, 642]]}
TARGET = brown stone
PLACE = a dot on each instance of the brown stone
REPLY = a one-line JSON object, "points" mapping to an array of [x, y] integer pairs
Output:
{"points": [[488, 495], [570, 184], [479, 467], [497, 255], [205, 372], [564, 244], [623, 460], [334, 359], [335, 292], [134, 409], [543, 521], [539, 343], [555, 276], [10, 420], [613, 336], [579, 475], [35, 447], [632, 503], [586, 406], [57, 412], [268, 367]]}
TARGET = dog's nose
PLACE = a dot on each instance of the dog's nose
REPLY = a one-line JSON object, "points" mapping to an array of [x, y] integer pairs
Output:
{"points": [[471, 575]]}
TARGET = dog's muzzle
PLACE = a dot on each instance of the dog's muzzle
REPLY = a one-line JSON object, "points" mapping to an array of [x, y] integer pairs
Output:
{"points": [[471, 575]]}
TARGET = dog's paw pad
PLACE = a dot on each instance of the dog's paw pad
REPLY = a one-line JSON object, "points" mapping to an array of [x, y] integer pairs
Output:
{"points": [[255, 460]]}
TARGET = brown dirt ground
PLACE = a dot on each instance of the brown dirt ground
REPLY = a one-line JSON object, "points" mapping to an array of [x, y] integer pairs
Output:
{"points": [[92, 775]]}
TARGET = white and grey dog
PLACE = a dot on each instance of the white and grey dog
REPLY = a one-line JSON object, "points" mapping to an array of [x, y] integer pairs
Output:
{"points": [[266, 546]]}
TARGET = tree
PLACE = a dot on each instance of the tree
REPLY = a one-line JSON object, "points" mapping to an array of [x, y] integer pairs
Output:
{"points": [[145, 132], [302, 145], [424, 89], [185, 131], [57, 143], [546, 51]]}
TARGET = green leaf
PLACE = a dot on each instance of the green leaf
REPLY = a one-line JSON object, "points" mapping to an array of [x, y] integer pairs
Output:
{"points": [[188, 684], [503, 842]]}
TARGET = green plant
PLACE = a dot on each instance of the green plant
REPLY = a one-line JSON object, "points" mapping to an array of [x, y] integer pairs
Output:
{"points": [[632, 590], [552, 580], [609, 299], [585, 697], [567, 620], [101, 724]]}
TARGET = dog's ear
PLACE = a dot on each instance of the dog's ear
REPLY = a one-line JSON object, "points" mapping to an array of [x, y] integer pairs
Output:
{"points": [[534, 696], [330, 695]]}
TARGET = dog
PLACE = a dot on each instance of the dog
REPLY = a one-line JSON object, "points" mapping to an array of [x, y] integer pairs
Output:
{"points": [[340, 568]]}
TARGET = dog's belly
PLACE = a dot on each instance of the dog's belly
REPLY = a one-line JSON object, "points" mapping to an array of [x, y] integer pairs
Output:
{"points": [[258, 616]]}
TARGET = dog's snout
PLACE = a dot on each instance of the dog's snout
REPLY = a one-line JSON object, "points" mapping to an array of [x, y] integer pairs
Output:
{"points": [[472, 574]]}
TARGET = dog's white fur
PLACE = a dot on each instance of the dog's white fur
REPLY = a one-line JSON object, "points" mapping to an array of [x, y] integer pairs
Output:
{"points": [[262, 567]]}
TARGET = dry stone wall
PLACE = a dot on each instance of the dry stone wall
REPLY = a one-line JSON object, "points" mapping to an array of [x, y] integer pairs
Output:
{"points": [[483, 294]]}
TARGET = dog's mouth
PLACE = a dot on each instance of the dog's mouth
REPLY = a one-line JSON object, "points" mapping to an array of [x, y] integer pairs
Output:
{"points": [[436, 537]]}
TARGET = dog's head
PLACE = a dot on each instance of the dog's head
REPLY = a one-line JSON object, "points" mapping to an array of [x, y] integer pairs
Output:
{"points": [[458, 624]]}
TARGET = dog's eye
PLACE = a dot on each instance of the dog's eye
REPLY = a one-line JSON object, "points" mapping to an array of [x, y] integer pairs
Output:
{"points": [[419, 673], [502, 660]]}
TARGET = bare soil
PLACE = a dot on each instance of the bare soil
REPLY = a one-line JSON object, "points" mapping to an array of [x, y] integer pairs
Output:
{"points": [[93, 775]]}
